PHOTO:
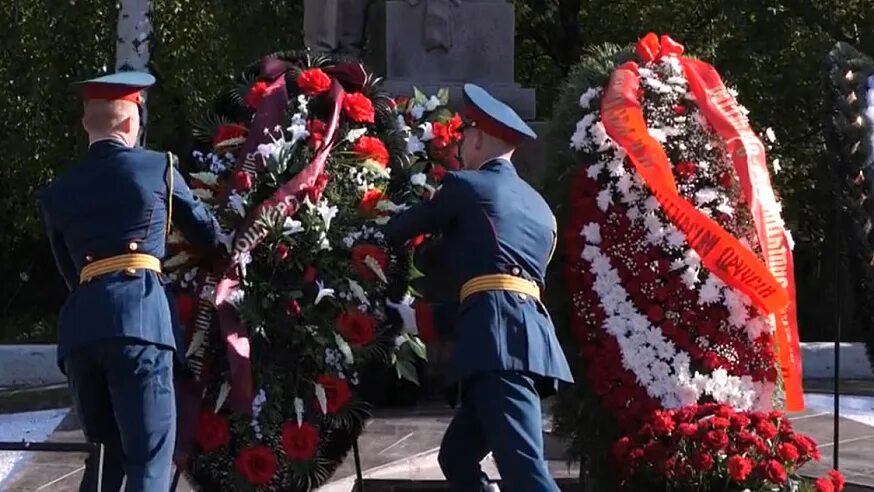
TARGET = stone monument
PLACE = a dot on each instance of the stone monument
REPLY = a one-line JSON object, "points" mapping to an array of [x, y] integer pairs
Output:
{"points": [[335, 26], [432, 44]]}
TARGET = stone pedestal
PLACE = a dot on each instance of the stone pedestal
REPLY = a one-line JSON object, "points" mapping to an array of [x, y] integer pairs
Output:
{"points": [[433, 44]]}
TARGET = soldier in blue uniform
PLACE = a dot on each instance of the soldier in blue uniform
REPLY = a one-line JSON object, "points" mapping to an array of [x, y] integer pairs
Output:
{"points": [[499, 235], [107, 219]]}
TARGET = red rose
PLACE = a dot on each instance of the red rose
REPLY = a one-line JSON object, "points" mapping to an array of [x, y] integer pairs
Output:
{"points": [[438, 172], [686, 169], [242, 181], [766, 429], [739, 468], [726, 180], [688, 430], [679, 109], [337, 392], [655, 313], [292, 307], [359, 108], [372, 148], [711, 361], [702, 461], [299, 442], [313, 81], [662, 422], [255, 94], [229, 134], [823, 484], [360, 253], [773, 471], [282, 251], [787, 452], [716, 440], [212, 431], [356, 327], [310, 274], [837, 479], [367, 206], [257, 464], [317, 130], [186, 307]]}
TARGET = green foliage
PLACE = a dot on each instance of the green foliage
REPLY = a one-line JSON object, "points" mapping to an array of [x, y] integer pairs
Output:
{"points": [[45, 45], [849, 138]]}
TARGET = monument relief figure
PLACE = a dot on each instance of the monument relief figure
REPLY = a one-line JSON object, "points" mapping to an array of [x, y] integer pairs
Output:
{"points": [[335, 26]]}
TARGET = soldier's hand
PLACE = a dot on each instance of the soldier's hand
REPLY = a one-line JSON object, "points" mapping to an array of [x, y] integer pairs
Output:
{"points": [[407, 313]]}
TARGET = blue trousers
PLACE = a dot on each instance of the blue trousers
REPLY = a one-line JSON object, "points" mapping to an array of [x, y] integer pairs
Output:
{"points": [[123, 392], [500, 412]]}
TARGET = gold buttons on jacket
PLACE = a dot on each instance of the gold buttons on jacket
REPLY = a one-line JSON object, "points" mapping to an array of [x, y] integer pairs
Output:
{"points": [[89, 258], [130, 271], [516, 270], [133, 246]]}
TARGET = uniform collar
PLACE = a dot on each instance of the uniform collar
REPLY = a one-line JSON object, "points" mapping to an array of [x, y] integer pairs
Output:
{"points": [[104, 145], [498, 164]]}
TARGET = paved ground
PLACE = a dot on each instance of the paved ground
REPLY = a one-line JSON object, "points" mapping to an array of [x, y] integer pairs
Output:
{"points": [[398, 453]]}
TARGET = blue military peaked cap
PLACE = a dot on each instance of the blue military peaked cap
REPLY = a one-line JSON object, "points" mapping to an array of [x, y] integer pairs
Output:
{"points": [[494, 117], [125, 86]]}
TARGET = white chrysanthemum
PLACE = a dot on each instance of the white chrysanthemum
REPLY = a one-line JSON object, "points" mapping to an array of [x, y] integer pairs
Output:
{"points": [[591, 94], [592, 233]]}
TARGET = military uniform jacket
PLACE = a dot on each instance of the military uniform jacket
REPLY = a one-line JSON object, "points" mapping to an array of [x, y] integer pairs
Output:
{"points": [[492, 222], [113, 202]]}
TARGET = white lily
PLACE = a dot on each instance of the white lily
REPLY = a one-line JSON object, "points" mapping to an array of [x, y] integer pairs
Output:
{"points": [[291, 226], [323, 292], [345, 349], [414, 145], [354, 135], [298, 410]]}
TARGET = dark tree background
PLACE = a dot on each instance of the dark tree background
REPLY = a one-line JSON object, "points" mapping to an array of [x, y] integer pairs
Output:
{"points": [[770, 50]]}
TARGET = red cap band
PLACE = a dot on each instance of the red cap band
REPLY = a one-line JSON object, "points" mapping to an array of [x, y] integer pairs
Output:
{"points": [[491, 126], [112, 92]]}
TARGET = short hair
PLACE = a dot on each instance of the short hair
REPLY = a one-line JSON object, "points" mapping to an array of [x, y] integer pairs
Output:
{"points": [[103, 116]]}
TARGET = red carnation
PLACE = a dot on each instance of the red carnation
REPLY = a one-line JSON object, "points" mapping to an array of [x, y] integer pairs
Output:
{"points": [[282, 251], [787, 452], [686, 169], [337, 392], [299, 442], [662, 422], [360, 254], [688, 430], [739, 421], [446, 134], [356, 327], [773, 471], [310, 274], [702, 461], [359, 108], [317, 130], [255, 94], [212, 431], [719, 423], [372, 148], [823, 484], [313, 81], [766, 429], [257, 464], [716, 440], [725, 180], [438, 172], [710, 361], [739, 468], [367, 206], [655, 313], [242, 181], [837, 479], [228, 133], [292, 307]]}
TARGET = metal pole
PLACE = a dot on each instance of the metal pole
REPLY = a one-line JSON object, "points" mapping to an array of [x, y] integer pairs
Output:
{"points": [[837, 343], [358, 473], [99, 481]]}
